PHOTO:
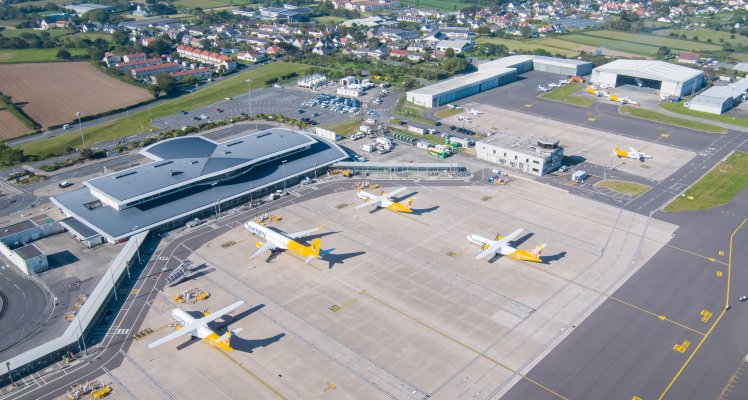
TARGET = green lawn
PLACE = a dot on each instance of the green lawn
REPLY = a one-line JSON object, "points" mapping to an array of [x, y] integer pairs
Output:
{"points": [[565, 94], [204, 4], [448, 112], [330, 20], [446, 5], [726, 118], [346, 127], [132, 123], [717, 187], [666, 119], [629, 188], [35, 55], [629, 47], [412, 112], [11, 33]]}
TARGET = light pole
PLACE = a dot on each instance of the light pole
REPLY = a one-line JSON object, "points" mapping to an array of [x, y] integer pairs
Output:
{"points": [[249, 99], [80, 326], [7, 365], [283, 165], [83, 140]]}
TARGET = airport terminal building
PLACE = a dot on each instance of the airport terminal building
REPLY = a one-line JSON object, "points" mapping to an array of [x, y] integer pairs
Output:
{"points": [[535, 157], [192, 177], [493, 74], [669, 79]]}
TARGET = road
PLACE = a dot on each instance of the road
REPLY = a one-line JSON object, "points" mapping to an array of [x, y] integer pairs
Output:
{"points": [[25, 307]]}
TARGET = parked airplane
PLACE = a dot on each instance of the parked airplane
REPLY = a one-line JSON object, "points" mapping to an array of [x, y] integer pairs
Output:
{"points": [[554, 85], [501, 246], [543, 89], [275, 240], [596, 92], [384, 201], [452, 106], [622, 100], [632, 153], [188, 325], [563, 82], [474, 111], [461, 117]]}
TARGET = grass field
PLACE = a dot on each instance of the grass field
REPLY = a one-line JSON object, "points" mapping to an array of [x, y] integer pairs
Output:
{"points": [[205, 4], [346, 127], [717, 187], [629, 47], [448, 112], [726, 118], [330, 20], [35, 55], [521, 46], [131, 124], [445, 5], [704, 34], [653, 40], [666, 119], [412, 112], [565, 94], [11, 33], [630, 188]]}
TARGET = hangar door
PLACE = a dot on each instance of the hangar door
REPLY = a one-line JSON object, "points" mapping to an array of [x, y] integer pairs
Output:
{"points": [[641, 82]]}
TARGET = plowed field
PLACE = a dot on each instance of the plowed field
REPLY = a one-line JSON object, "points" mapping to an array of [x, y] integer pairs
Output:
{"points": [[51, 93], [10, 126]]}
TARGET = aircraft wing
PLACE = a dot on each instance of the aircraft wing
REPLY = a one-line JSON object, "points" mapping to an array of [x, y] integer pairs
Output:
{"points": [[265, 247], [299, 234], [633, 150], [186, 330], [496, 245], [375, 200]]}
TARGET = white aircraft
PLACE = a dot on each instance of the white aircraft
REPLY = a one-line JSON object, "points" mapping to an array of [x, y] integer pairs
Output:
{"points": [[461, 117], [632, 153], [543, 89], [622, 100], [554, 85], [474, 111], [275, 240], [385, 201], [501, 246], [563, 82], [452, 106], [188, 325]]}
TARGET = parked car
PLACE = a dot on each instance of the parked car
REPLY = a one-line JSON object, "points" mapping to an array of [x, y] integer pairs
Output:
{"points": [[219, 110], [66, 126]]}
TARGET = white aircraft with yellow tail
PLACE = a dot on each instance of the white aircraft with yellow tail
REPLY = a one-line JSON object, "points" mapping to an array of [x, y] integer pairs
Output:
{"points": [[632, 153], [275, 240], [188, 325], [501, 246], [384, 200]]}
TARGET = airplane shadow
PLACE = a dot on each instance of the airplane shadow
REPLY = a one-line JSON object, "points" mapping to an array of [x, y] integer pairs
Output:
{"points": [[318, 235], [199, 267], [404, 197], [333, 259], [555, 257], [248, 345], [421, 211], [201, 273]]}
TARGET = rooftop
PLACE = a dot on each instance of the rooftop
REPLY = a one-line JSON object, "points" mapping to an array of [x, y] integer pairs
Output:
{"points": [[650, 69], [527, 144], [191, 159], [717, 95], [29, 251], [460, 81], [16, 228]]}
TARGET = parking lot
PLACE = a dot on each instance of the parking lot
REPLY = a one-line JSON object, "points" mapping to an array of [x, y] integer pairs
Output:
{"points": [[283, 101], [359, 324]]}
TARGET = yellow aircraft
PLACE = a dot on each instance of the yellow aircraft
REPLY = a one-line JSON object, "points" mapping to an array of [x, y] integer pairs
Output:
{"points": [[501, 246], [188, 325], [384, 201], [632, 153]]}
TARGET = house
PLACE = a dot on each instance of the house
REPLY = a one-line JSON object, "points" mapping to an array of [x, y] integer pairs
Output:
{"points": [[127, 66], [252, 56], [273, 50], [687, 57], [207, 57], [134, 57], [54, 22], [197, 73], [458, 45], [110, 59], [147, 40], [144, 73]]}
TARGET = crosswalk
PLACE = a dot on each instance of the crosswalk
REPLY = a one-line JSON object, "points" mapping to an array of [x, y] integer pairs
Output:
{"points": [[111, 331]]}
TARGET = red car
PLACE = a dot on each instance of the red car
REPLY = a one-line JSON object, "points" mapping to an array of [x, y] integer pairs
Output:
{"points": [[219, 110]]}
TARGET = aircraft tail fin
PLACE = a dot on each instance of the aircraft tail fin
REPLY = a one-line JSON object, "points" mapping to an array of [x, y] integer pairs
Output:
{"points": [[224, 342], [538, 250], [313, 251], [409, 202], [620, 153]]}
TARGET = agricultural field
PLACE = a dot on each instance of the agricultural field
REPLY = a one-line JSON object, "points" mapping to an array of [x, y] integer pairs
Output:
{"points": [[640, 44], [51, 93], [35, 55], [132, 123], [524, 46], [206, 4], [13, 32], [446, 5], [10, 126], [704, 34]]}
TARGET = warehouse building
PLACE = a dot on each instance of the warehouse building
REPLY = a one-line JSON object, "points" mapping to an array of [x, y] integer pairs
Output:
{"points": [[668, 79], [720, 99], [532, 156], [193, 177], [493, 74]]}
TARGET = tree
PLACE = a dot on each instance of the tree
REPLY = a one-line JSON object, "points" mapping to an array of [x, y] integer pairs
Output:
{"points": [[449, 53], [525, 31], [120, 37], [373, 43], [663, 52], [63, 54], [158, 47], [483, 30], [166, 83], [97, 15]]}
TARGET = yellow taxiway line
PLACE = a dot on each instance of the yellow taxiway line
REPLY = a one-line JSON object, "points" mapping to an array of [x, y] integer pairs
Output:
{"points": [[716, 322], [252, 374]]}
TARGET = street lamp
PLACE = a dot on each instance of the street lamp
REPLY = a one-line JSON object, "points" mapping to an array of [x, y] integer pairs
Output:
{"points": [[7, 365], [80, 326], [283, 165], [83, 140], [249, 99]]}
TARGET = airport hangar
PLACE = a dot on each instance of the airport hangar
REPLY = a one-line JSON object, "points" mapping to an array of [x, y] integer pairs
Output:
{"points": [[669, 79], [720, 99], [493, 74], [191, 177]]}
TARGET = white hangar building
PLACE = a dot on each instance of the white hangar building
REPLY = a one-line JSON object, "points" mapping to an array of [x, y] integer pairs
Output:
{"points": [[669, 79]]}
